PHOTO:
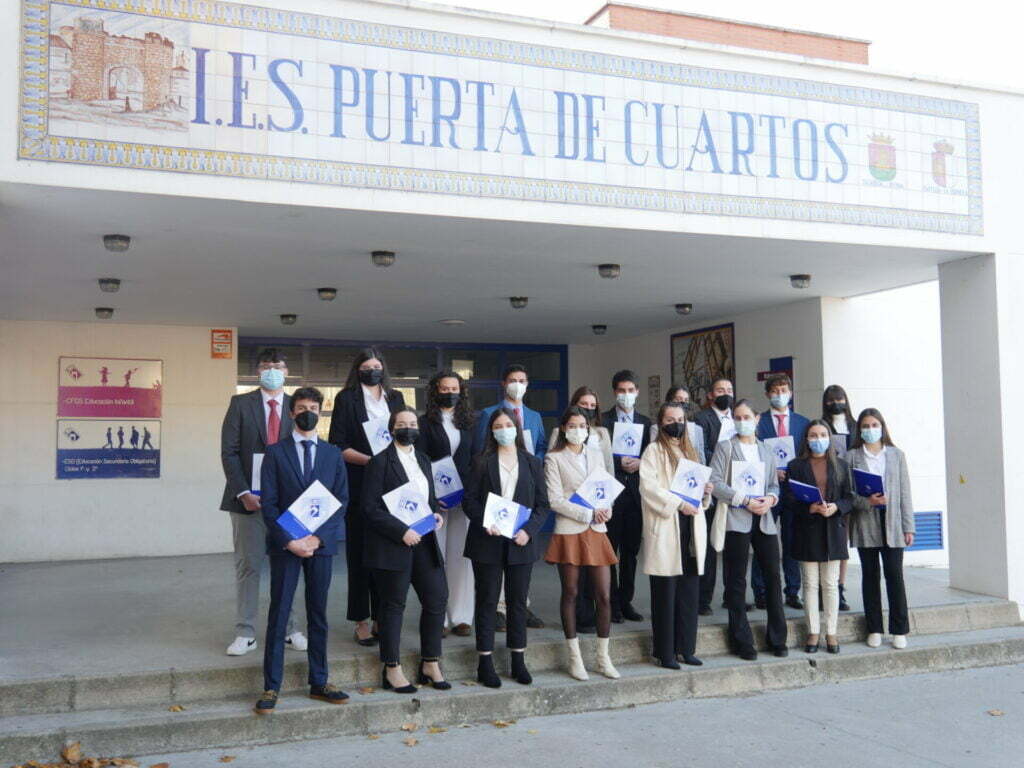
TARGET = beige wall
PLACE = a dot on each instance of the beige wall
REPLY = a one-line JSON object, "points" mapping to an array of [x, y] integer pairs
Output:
{"points": [[49, 519]]}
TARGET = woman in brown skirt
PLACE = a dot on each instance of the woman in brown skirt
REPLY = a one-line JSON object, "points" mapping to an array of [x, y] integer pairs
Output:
{"points": [[580, 537]]}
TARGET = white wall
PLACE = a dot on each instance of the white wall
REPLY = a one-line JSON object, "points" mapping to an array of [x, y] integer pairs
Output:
{"points": [[49, 519]]}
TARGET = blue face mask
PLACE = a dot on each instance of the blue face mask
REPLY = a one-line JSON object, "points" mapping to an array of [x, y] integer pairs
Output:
{"points": [[272, 378], [745, 428], [780, 401], [505, 435], [819, 445], [872, 435]]}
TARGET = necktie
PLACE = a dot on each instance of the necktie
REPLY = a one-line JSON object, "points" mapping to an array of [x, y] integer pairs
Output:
{"points": [[273, 423], [307, 462], [780, 428], [518, 413]]}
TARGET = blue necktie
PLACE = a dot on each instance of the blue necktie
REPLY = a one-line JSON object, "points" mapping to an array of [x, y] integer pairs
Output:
{"points": [[307, 462]]}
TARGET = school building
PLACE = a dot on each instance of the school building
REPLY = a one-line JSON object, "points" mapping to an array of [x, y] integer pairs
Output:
{"points": [[184, 182]]}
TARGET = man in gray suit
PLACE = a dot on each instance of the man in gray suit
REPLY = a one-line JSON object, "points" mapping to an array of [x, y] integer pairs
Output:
{"points": [[253, 421]]}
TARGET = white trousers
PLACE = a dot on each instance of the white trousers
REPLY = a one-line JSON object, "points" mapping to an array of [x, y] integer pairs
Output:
{"points": [[458, 568], [827, 576]]}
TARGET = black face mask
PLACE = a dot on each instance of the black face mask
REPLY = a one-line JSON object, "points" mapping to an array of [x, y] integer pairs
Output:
{"points": [[406, 435], [591, 413], [674, 428], [723, 402], [306, 421], [371, 377], [447, 399], [836, 407]]}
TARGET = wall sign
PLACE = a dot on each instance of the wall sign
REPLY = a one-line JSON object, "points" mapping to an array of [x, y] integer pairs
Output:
{"points": [[107, 448], [236, 90], [221, 343], [99, 387]]}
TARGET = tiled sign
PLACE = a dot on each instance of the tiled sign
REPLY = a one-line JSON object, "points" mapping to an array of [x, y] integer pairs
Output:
{"points": [[206, 87]]}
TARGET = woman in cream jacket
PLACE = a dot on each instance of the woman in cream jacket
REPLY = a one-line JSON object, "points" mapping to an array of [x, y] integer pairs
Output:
{"points": [[674, 541], [580, 539]]}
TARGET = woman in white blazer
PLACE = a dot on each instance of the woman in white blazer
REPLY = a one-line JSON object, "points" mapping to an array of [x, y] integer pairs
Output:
{"points": [[881, 526], [580, 539], [674, 541]]}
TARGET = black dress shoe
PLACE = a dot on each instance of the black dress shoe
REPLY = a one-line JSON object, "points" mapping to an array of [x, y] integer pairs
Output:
{"points": [[669, 663], [747, 654], [630, 613], [692, 661], [266, 704], [328, 693], [843, 605], [387, 686], [485, 674], [812, 648], [366, 642], [533, 621], [705, 610], [500, 625], [424, 679], [617, 616], [782, 651], [832, 648], [519, 671], [794, 602]]}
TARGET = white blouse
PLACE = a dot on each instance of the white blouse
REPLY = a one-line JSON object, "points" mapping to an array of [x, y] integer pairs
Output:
{"points": [[839, 425], [375, 408], [876, 462], [750, 452], [413, 471], [509, 478], [454, 436]]}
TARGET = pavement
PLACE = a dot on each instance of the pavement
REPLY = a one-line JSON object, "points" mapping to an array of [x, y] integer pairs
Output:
{"points": [[956, 719], [111, 616]]}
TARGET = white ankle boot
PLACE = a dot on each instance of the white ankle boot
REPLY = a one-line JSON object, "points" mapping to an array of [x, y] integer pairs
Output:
{"points": [[576, 668], [604, 661]]}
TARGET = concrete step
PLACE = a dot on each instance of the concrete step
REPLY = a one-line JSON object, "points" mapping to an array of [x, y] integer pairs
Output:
{"points": [[240, 677], [231, 723]]}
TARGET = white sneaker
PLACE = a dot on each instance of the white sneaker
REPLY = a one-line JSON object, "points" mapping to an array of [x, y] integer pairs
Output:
{"points": [[241, 646], [874, 640], [899, 642], [296, 641]]}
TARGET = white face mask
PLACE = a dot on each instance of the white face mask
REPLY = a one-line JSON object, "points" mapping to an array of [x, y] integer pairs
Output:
{"points": [[504, 435], [626, 400], [576, 435], [515, 390]]}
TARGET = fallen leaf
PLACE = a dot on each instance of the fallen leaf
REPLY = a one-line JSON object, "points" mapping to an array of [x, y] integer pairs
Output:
{"points": [[436, 729], [175, 708], [160, 765], [127, 762], [90, 762], [367, 689], [410, 727], [411, 741], [469, 682], [373, 736], [503, 723], [532, 731], [995, 712], [72, 753], [226, 759]]}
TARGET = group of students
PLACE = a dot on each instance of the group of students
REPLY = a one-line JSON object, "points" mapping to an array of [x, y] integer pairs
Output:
{"points": [[469, 577]]}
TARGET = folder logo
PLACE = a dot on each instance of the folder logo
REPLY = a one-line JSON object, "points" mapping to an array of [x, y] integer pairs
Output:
{"points": [[691, 481], [629, 441], [383, 435], [502, 515], [748, 480], [443, 479], [314, 508], [600, 494], [410, 506], [780, 453]]}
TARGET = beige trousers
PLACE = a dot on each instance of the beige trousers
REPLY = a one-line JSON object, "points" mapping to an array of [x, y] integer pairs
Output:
{"points": [[827, 576]]}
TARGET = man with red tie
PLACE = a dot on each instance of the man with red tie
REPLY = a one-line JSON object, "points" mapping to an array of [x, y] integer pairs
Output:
{"points": [[780, 420], [254, 421]]}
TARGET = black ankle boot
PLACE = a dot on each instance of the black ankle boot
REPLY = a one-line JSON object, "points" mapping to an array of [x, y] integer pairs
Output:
{"points": [[519, 671], [843, 605], [485, 674]]}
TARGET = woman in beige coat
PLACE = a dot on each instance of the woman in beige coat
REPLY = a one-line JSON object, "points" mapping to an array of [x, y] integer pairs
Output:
{"points": [[674, 541], [580, 541]]}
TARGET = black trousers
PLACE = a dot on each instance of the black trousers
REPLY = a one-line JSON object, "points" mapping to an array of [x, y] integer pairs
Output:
{"points": [[487, 579], [363, 600], [674, 604], [625, 530], [284, 577], [734, 562], [892, 565], [428, 579], [707, 579]]}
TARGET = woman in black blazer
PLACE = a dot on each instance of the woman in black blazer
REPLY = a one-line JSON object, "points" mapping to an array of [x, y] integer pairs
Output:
{"points": [[367, 394], [398, 556], [819, 530], [446, 429], [836, 412], [506, 469]]}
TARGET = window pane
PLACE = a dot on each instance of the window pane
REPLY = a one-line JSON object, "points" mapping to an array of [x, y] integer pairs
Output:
{"points": [[411, 364], [473, 363], [542, 399], [330, 365], [539, 365], [415, 397], [247, 354], [550, 425], [484, 397]]}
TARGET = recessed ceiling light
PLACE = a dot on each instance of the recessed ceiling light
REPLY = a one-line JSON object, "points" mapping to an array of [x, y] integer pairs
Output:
{"points": [[383, 258], [110, 284], [289, 319], [104, 313], [800, 281], [452, 321], [327, 294], [600, 329], [116, 243], [518, 302], [609, 271], [684, 309]]}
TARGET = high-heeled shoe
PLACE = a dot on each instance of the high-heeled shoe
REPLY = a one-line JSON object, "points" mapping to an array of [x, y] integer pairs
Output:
{"points": [[366, 642], [424, 679], [813, 647], [832, 647], [485, 674], [387, 686]]}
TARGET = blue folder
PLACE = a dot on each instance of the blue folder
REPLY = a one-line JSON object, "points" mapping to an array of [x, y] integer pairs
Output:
{"points": [[804, 492], [867, 483]]}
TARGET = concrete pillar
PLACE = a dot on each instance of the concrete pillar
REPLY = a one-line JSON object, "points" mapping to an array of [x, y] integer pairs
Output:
{"points": [[983, 382]]}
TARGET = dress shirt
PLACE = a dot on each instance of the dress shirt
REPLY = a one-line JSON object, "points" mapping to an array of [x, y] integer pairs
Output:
{"points": [[876, 462], [375, 409], [624, 417], [785, 421], [454, 436], [279, 397], [412, 469], [509, 478], [298, 437], [839, 425]]}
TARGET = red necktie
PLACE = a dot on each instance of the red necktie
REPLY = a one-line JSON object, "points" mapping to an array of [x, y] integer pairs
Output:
{"points": [[519, 416], [780, 428], [273, 423]]}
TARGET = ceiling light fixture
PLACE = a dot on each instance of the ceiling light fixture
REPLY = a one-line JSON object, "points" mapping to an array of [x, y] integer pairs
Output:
{"points": [[109, 284], [116, 243], [600, 329], [289, 319], [327, 294], [104, 313], [518, 302], [684, 308], [452, 321], [383, 258], [609, 271], [800, 281]]}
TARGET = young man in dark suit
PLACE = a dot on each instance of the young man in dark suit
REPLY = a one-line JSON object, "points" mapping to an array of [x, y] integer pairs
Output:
{"points": [[626, 526], [253, 421], [289, 468], [781, 420]]}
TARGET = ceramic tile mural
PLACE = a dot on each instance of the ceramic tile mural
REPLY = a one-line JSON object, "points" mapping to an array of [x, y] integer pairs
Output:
{"points": [[207, 87]]}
